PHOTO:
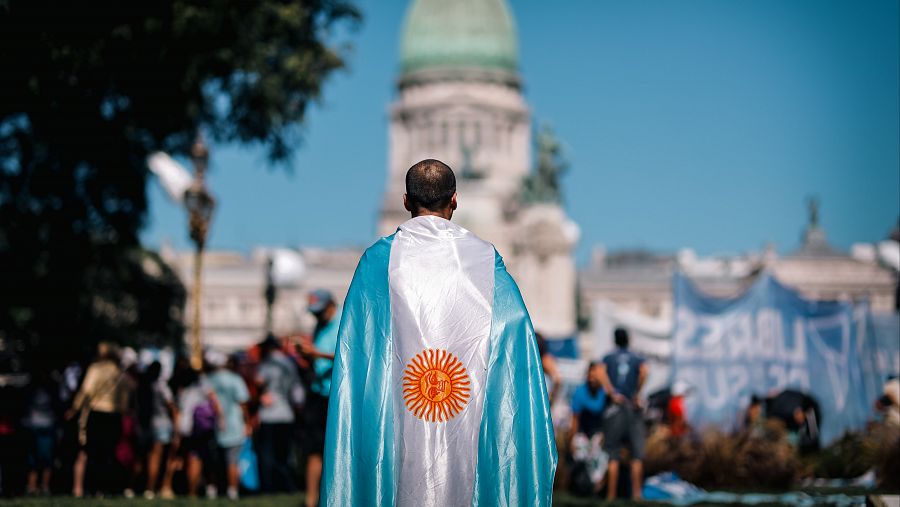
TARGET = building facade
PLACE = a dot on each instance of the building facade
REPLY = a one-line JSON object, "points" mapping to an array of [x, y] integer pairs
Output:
{"points": [[459, 99]]}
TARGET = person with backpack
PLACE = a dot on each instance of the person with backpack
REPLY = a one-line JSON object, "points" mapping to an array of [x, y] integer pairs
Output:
{"points": [[200, 412]]}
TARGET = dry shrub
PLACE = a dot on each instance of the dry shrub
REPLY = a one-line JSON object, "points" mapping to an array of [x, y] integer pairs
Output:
{"points": [[760, 461], [856, 453], [882, 443]]}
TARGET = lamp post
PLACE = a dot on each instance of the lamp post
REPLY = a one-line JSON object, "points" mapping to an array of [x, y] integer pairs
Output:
{"points": [[270, 293], [200, 204]]}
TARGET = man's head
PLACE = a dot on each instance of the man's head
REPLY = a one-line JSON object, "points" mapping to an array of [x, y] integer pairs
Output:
{"points": [[594, 374], [430, 189], [621, 337], [321, 304]]}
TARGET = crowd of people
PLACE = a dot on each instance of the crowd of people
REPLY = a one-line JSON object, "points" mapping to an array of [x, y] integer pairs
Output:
{"points": [[610, 420], [120, 426]]}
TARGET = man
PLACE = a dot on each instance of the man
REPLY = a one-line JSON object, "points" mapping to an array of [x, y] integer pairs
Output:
{"points": [[278, 382], [234, 424], [623, 374], [320, 351], [438, 396]]}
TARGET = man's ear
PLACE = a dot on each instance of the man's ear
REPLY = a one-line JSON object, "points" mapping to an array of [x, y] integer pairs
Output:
{"points": [[453, 202], [406, 203]]}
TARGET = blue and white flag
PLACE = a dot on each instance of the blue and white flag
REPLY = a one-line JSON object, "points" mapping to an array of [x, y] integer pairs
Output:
{"points": [[438, 395], [762, 342]]}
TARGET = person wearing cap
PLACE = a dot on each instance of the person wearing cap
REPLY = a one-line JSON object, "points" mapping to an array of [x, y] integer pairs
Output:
{"points": [[234, 426], [320, 350]]}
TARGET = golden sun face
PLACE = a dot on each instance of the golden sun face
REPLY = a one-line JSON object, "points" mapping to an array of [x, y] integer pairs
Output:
{"points": [[435, 385]]}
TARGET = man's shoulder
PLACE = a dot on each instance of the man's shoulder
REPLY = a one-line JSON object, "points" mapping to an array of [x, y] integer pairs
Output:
{"points": [[377, 254]]}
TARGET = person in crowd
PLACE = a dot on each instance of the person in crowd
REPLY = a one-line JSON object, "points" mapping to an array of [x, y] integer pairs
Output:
{"points": [[279, 383], [676, 412], [68, 448], [41, 408], [889, 402], [320, 351], [234, 425], [623, 375], [157, 415], [548, 363], [588, 403], [199, 415], [130, 452], [754, 417], [98, 406]]}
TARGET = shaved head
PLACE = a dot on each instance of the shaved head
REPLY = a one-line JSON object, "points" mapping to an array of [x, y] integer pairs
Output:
{"points": [[430, 187]]}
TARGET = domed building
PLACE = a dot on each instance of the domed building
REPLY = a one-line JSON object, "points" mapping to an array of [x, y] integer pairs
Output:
{"points": [[459, 100]]}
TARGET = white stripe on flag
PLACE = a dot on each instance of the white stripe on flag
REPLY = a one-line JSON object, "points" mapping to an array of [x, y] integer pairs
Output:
{"points": [[441, 288]]}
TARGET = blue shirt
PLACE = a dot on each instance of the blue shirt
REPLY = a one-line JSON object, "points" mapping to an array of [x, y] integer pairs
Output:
{"points": [[231, 391], [623, 369], [326, 341], [588, 408]]}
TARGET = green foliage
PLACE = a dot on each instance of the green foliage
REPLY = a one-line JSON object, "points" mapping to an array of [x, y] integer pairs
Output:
{"points": [[88, 90]]}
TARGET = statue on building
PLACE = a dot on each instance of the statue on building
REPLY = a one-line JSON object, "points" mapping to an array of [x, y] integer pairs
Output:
{"points": [[542, 186], [813, 206]]}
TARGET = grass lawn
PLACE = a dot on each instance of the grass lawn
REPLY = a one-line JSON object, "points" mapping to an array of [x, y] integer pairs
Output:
{"points": [[560, 500]]}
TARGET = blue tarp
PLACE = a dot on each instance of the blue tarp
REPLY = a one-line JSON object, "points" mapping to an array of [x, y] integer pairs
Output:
{"points": [[879, 346], [764, 341]]}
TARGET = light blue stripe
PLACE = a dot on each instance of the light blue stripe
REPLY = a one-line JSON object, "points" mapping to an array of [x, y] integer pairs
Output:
{"points": [[359, 445], [516, 451]]}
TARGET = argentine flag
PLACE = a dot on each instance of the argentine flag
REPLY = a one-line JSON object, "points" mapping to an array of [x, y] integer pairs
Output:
{"points": [[438, 396]]}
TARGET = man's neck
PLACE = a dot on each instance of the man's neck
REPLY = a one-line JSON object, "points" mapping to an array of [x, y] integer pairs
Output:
{"points": [[445, 214]]}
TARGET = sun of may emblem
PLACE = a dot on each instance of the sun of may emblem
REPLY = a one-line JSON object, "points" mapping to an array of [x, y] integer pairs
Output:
{"points": [[435, 385]]}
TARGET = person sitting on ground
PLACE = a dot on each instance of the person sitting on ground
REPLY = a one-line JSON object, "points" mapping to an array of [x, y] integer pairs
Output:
{"points": [[889, 403], [586, 435]]}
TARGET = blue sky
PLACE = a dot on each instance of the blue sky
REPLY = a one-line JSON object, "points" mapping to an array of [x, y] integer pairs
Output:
{"points": [[690, 123]]}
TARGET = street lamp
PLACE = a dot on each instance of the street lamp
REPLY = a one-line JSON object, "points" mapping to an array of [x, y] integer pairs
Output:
{"points": [[200, 204], [271, 291]]}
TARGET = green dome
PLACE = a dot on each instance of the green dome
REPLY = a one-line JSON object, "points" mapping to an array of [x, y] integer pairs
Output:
{"points": [[442, 34]]}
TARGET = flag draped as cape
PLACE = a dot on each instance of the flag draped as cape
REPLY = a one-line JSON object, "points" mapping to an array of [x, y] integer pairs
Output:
{"points": [[438, 394]]}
